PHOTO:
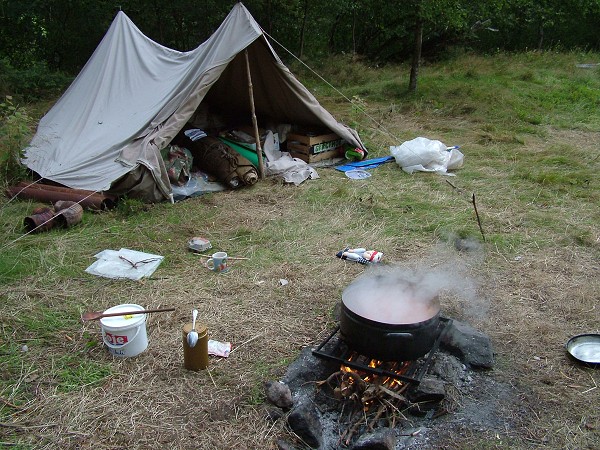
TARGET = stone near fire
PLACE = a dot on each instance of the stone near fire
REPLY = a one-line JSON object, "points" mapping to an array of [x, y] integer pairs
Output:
{"points": [[470, 345], [305, 422], [380, 439], [430, 389], [279, 394]]}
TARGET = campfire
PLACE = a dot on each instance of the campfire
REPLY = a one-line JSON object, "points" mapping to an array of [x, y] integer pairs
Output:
{"points": [[371, 397], [372, 375], [373, 392], [338, 396], [349, 384]]}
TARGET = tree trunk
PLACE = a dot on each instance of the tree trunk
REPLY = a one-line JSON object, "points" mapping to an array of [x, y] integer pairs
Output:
{"points": [[541, 37], [303, 29], [416, 58], [269, 17], [353, 32], [332, 30]]}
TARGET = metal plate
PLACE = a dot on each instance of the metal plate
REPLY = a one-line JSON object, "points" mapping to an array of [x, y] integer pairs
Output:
{"points": [[585, 348]]}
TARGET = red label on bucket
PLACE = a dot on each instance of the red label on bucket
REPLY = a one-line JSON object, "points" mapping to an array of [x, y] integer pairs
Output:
{"points": [[115, 339]]}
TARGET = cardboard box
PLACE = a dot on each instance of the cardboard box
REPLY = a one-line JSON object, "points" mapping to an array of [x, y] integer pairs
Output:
{"points": [[308, 158], [311, 139], [315, 148]]}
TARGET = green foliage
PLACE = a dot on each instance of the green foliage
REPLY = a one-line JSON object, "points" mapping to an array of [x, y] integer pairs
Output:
{"points": [[73, 372], [43, 328], [14, 131], [33, 82], [130, 207], [63, 34]]}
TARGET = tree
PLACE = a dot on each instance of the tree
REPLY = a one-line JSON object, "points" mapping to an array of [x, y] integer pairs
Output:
{"points": [[416, 58]]}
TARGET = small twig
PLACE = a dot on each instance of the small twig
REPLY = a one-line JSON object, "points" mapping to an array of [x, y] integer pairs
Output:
{"points": [[26, 427], [382, 409], [210, 256], [478, 220], [414, 433], [393, 394], [351, 420], [458, 189], [329, 379], [353, 429], [245, 342], [12, 405], [211, 378]]}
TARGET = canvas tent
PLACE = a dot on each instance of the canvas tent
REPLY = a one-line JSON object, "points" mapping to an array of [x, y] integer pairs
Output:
{"points": [[134, 95]]}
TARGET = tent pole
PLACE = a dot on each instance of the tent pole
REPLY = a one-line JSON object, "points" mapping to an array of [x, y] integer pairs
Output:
{"points": [[254, 122]]}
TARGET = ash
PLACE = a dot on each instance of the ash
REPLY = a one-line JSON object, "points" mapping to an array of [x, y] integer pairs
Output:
{"points": [[468, 399]]}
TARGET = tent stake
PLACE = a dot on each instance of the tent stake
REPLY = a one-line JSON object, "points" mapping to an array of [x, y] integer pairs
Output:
{"points": [[254, 122]]}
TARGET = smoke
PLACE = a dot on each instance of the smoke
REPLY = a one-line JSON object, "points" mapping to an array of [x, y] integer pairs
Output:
{"points": [[446, 274]]}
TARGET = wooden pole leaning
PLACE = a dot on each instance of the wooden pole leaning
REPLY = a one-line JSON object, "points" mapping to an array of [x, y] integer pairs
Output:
{"points": [[261, 173]]}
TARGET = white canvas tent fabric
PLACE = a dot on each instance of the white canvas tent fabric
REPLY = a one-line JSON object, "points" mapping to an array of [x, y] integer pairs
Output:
{"points": [[134, 95]]}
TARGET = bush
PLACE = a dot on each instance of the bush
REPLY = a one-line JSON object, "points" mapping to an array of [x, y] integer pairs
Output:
{"points": [[35, 82], [14, 132]]}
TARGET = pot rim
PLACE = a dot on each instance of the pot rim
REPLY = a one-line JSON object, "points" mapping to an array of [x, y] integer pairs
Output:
{"points": [[401, 298], [395, 326]]}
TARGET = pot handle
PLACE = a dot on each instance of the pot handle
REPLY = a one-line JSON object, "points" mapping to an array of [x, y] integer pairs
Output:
{"points": [[404, 336]]}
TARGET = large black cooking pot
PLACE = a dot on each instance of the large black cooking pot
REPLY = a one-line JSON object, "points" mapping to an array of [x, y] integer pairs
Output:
{"points": [[390, 317]]}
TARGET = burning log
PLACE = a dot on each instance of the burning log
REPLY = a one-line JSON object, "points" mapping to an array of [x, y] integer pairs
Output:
{"points": [[367, 391], [348, 382]]}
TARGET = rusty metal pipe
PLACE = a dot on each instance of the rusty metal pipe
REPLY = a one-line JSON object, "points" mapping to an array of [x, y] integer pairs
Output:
{"points": [[41, 219], [83, 192], [96, 202], [92, 202], [68, 213]]}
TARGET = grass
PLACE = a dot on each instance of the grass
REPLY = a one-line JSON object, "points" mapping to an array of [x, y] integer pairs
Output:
{"points": [[528, 126]]}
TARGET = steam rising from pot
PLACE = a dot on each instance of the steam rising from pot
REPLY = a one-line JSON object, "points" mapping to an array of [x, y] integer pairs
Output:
{"points": [[394, 294]]}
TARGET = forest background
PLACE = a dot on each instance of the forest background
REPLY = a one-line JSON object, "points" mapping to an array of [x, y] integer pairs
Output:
{"points": [[43, 42], [514, 82]]}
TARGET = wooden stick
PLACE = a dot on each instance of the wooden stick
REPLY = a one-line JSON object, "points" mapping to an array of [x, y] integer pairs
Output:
{"points": [[211, 378], [12, 405], [261, 173], [477, 215], [245, 342], [94, 315], [26, 427], [459, 190], [382, 409], [229, 257]]}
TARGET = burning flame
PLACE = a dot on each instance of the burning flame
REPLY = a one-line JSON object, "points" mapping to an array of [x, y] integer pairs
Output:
{"points": [[399, 368]]}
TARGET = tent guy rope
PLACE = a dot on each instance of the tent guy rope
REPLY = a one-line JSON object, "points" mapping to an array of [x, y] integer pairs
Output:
{"points": [[380, 127]]}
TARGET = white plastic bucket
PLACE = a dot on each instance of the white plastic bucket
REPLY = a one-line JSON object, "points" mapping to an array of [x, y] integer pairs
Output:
{"points": [[125, 336]]}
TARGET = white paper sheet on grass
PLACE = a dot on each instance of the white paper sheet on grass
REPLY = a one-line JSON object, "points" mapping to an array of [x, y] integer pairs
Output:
{"points": [[124, 263]]}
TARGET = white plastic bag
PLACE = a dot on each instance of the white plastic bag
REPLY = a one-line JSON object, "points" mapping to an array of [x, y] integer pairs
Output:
{"points": [[292, 170], [427, 155]]}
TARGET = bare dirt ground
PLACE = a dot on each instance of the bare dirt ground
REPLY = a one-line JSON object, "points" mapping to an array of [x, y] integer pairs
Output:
{"points": [[531, 297]]}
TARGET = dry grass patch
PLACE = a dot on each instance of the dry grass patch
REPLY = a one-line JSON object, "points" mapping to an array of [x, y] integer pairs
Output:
{"points": [[535, 285]]}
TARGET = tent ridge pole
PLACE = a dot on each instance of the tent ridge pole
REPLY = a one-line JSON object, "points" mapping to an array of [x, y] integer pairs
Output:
{"points": [[261, 173]]}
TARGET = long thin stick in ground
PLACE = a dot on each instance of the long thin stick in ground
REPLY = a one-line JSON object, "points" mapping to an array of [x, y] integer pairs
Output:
{"points": [[478, 220]]}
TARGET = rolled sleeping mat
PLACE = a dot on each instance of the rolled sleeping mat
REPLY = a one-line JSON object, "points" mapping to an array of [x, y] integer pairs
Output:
{"points": [[218, 159]]}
